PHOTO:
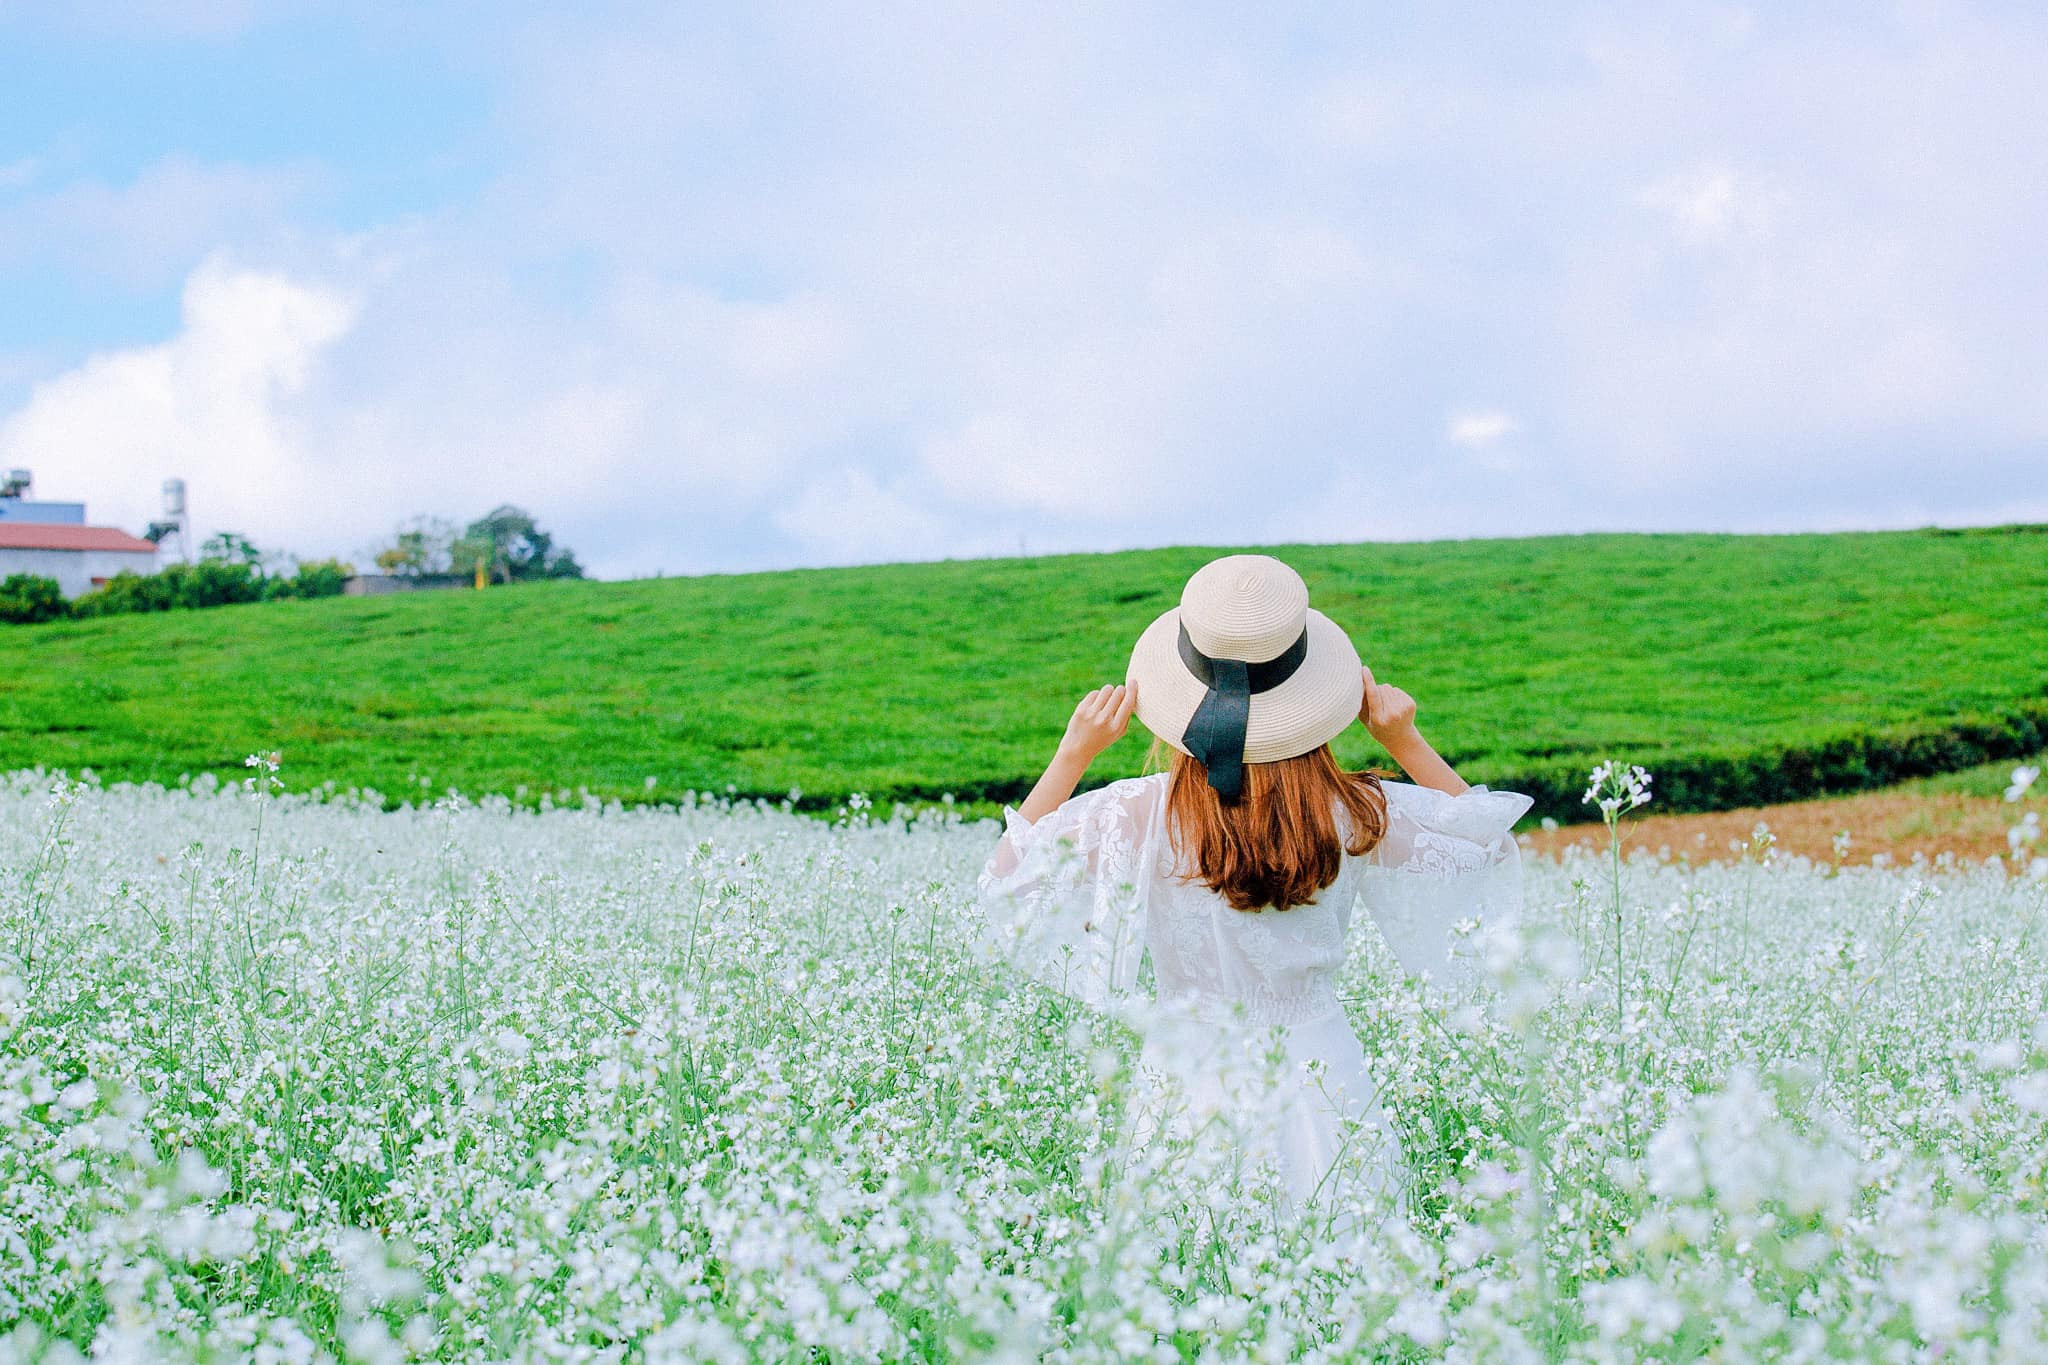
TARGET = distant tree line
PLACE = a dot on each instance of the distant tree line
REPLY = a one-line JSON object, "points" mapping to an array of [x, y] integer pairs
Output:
{"points": [[504, 544]]}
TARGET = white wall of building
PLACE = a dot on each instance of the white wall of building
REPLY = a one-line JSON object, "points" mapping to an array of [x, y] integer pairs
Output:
{"points": [[75, 570]]}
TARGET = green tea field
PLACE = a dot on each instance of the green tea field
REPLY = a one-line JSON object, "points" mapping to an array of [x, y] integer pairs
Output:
{"points": [[1741, 669]]}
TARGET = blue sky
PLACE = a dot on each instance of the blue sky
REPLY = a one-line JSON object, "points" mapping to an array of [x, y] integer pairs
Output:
{"points": [[767, 285]]}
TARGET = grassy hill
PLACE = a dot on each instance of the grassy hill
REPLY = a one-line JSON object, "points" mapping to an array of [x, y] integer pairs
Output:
{"points": [[1739, 668]]}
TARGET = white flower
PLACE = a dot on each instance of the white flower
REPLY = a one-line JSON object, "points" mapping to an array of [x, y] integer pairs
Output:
{"points": [[1675, 1171], [1633, 1306], [374, 1273], [717, 1082], [196, 1177], [1421, 1320], [2030, 1092], [1614, 788]]}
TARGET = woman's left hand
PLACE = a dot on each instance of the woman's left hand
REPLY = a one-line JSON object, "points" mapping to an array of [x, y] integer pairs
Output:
{"points": [[1099, 721]]}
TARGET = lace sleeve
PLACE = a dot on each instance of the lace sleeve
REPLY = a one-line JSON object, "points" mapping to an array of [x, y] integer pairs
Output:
{"points": [[1062, 899], [1447, 876]]}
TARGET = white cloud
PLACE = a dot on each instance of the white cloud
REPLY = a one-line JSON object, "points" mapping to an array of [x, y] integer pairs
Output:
{"points": [[757, 286], [847, 517], [151, 229], [213, 404], [1477, 430], [1711, 205], [1133, 284]]}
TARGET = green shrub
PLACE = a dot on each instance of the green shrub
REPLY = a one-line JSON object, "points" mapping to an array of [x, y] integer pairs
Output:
{"points": [[214, 583], [126, 592], [26, 598], [314, 578], [209, 583]]}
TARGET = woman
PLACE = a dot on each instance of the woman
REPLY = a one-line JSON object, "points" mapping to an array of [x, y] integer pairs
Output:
{"points": [[1237, 870]]}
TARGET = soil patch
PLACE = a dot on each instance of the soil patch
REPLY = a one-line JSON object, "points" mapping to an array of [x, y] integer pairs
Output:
{"points": [[1889, 825]]}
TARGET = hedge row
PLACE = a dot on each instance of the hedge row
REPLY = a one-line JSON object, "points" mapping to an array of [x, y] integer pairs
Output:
{"points": [[1711, 782], [1706, 782], [29, 598]]}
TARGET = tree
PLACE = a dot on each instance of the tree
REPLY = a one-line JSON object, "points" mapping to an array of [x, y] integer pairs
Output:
{"points": [[236, 549], [232, 547], [418, 548], [507, 545]]}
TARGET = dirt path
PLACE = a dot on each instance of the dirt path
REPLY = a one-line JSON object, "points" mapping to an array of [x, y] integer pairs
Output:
{"points": [[1883, 822]]}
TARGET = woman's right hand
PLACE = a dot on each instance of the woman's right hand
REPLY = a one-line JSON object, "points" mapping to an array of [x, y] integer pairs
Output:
{"points": [[1388, 711], [1099, 721]]}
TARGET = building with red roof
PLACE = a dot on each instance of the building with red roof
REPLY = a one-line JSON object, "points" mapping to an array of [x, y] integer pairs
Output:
{"points": [[80, 558]]}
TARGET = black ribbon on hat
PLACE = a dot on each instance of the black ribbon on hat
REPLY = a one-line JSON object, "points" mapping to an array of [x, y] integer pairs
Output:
{"points": [[1215, 733]]}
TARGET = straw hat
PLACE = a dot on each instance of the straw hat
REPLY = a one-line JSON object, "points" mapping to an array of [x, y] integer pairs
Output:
{"points": [[1244, 647]]}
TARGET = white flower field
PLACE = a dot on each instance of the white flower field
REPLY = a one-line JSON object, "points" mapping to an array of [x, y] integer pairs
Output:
{"points": [[291, 1079]]}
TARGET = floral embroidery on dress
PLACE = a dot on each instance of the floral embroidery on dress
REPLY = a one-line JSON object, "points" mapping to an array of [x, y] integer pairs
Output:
{"points": [[1189, 938], [1440, 855]]}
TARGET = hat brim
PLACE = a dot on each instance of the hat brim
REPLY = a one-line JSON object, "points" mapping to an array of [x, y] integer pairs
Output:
{"points": [[1314, 706]]}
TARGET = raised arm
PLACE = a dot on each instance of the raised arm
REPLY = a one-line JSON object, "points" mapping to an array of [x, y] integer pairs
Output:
{"points": [[1062, 895], [1099, 720], [1447, 873], [1389, 716]]}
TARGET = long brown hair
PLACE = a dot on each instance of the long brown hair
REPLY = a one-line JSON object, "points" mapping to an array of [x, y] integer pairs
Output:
{"points": [[1279, 843]]}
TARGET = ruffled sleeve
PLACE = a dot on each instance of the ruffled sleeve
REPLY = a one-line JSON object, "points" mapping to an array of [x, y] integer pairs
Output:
{"points": [[1446, 878], [1062, 900]]}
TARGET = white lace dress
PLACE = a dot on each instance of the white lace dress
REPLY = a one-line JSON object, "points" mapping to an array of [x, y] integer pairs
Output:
{"points": [[1245, 1036]]}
